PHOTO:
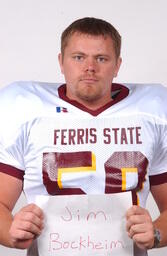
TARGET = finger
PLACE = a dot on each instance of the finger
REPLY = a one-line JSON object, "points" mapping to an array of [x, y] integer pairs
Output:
{"points": [[28, 226], [138, 219], [23, 244], [33, 208], [30, 213], [135, 210], [144, 240], [141, 228], [29, 217], [21, 235]]}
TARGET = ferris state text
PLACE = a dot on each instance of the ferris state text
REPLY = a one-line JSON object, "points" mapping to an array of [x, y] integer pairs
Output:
{"points": [[128, 135]]}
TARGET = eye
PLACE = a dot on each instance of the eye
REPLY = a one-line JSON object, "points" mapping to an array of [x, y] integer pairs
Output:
{"points": [[78, 57], [101, 59]]}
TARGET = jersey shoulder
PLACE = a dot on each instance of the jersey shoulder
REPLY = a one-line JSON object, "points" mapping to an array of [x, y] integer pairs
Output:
{"points": [[149, 98], [22, 101], [27, 94], [27, 89]]}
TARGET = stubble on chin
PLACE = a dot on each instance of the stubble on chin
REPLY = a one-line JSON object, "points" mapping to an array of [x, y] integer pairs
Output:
{"points": [[88, 96]]}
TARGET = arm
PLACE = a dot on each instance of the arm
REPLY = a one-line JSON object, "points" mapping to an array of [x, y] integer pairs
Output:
{"points": [[159, 193], [20, 230], [140, 226]]}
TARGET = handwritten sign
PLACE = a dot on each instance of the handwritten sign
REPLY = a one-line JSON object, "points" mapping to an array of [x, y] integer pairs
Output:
{"points": [[85, 225]]}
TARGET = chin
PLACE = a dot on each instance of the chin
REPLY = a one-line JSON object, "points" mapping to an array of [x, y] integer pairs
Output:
{"points": [[89, 97]]}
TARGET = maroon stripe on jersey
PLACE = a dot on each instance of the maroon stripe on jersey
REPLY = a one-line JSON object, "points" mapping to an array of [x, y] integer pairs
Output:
{"points": [[12, 171], [158, 179], [134, 198], [121, 90]]}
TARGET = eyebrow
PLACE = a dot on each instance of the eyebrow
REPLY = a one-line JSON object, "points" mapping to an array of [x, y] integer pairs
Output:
{"points": [[96, 55]]}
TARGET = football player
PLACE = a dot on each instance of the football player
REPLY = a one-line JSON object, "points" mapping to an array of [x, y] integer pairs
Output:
{"points": [[87, 136]]}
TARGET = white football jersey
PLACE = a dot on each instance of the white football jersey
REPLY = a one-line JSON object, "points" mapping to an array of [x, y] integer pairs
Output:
{"points": [[58, 147]]}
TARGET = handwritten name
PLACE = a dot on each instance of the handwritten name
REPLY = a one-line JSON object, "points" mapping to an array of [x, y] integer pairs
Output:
{"points": [[69, 215], [56, 243]]}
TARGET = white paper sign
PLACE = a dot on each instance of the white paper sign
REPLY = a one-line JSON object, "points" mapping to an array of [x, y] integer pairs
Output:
{"points": [[85, 225]]}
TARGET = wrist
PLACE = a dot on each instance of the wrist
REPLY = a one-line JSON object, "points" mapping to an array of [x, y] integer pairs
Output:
{"points": [[157, 238]]}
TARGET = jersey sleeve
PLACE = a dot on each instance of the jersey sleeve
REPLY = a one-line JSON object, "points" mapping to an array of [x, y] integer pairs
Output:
{"points": [[158, 167], [20, 102], [11, 147]]}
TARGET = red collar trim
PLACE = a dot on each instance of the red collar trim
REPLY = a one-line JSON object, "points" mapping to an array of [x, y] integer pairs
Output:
{"points": [[120, 90]]}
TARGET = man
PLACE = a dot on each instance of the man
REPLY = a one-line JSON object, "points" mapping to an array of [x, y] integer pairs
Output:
{"points": [[47, 126]]}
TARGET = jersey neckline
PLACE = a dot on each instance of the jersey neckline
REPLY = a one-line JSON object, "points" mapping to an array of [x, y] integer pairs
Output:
{"points": [[118, 92]]}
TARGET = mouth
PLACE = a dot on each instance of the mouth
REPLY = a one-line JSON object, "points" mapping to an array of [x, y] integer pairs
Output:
{"points": [[89, 80]]}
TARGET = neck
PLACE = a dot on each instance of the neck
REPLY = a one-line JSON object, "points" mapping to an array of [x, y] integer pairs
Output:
{"points": [[92, 105]]}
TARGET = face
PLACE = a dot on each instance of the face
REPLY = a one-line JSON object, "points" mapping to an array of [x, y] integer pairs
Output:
{"points": [[89, 65]]}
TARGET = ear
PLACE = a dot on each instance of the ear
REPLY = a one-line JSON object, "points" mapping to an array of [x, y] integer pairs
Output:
{"points": [[118, 64], [60, 59]]}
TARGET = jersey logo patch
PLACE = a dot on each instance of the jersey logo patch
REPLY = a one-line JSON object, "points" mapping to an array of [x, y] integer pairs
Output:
{"points": [[61, 109]]}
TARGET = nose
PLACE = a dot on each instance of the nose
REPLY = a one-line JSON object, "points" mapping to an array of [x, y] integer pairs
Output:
{"points": [[90, 65]]}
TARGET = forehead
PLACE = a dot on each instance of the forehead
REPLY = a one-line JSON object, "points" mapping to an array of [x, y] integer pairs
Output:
{"points": [[85, 42]]}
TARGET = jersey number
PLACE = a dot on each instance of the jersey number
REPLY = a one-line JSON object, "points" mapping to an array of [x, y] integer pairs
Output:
{"points": [[123, 171]]}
